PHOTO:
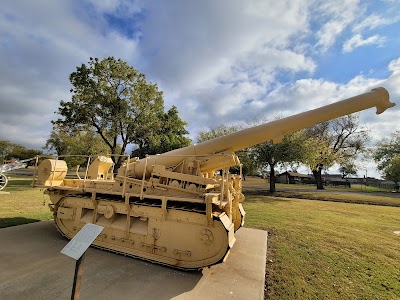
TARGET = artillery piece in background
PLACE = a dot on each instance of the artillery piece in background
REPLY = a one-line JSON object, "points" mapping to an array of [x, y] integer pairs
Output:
{"points": [[174, 208], [18, 164]]}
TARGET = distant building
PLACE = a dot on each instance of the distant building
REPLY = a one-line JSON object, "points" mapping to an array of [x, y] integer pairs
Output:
{"points": [[332, 177], [292, 177], [9, 161], [335, 180]]}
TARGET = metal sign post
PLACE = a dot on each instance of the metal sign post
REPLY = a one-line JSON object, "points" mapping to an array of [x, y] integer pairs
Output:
{"points": [[76, 287], [76, 249]]}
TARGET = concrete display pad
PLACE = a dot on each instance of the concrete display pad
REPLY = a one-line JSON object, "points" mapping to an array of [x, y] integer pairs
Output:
{"points": [[32, 267]]}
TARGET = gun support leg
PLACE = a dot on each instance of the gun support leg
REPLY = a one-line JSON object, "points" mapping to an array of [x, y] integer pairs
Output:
{"points": [[209, 201]]}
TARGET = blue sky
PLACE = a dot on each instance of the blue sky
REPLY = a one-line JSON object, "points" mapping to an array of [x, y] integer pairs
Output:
{"points": [[218, 61]]}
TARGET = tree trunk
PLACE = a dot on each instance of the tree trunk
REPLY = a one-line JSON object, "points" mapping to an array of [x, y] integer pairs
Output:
{"points": [[121, 158], [318, 178], [272, 179]]}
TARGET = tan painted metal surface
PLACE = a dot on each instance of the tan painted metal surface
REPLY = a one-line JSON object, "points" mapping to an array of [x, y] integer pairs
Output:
{"points": [[174, 208]]}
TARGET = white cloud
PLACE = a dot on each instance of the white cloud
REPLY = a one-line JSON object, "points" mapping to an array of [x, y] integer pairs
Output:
{"points": [[374, 21], [394, 66], [280, 58], [358, 41], [393, 85], [306, 94], [221, 35], [121, 7], [336, 18], [228, 57]]}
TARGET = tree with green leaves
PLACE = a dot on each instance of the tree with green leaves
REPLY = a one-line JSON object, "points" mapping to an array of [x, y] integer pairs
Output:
{"points": [[288, 152], [67, 142], [115, 100], [348, 168], [392, 171], [249, 165], [170, 136], [387, 156], [318, 155], [5, 148], [386, 149], [215, 132], [335, 141], [20, 152]]}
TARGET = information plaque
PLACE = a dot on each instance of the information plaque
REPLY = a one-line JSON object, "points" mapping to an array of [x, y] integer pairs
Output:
{"points": [[82, 240]]}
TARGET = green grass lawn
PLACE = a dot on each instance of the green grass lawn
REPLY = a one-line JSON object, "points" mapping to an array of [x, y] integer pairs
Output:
{"points": [[386, 199], [24, 204], [328, 250]]}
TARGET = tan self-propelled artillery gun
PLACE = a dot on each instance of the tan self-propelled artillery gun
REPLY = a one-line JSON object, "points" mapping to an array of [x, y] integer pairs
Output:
{"points": [[180, 208]]}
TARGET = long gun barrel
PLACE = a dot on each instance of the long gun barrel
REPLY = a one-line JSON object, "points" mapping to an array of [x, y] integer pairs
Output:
{"points": [[275, 131]]}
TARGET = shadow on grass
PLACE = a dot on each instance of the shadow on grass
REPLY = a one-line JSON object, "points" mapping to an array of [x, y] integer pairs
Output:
{"points": [[253, 196], [8, 222], [258, 192], [262, 196]]}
